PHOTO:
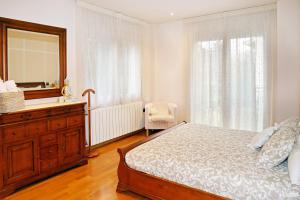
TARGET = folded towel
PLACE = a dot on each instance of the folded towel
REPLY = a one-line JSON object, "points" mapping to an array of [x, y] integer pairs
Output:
{"points": [[2, 87], [11, 86]]}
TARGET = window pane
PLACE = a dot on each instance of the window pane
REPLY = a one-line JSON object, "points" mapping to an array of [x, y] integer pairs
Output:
{"points": [[207, 72], [246, 84]]}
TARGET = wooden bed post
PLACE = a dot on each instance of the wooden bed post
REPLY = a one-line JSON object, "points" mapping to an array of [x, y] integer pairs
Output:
{"points": [[122, 173]]}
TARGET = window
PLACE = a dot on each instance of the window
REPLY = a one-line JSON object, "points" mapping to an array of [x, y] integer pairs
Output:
{"points": [[228, 86], [246, 80], [109, 57], [232, 61]]}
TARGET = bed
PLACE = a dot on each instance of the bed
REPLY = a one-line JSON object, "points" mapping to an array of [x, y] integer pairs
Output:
{"points": [[192, 161]]}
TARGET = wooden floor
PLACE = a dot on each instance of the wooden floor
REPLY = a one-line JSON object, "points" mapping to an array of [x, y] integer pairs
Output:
{"points": [[97, 180]]}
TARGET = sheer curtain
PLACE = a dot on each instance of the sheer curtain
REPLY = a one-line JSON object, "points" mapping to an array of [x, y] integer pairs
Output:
{"points": [[109, 57], [232, 62]]}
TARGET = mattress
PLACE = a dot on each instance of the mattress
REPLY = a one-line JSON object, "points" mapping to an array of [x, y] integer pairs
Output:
{"points": [[212, 159]]}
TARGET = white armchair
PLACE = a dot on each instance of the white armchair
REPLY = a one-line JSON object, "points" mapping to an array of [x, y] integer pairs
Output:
{"points": [[160, 115]]}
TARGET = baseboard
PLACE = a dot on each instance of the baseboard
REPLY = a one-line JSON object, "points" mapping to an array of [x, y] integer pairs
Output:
{"points": [[116, 139]]}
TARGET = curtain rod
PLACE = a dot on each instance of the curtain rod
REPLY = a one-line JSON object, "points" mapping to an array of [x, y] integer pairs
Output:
{"points": [[105, 11], [241, 11]]}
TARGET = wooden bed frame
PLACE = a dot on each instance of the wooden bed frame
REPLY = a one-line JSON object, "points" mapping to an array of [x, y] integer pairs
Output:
{"points": [[154, 187]]}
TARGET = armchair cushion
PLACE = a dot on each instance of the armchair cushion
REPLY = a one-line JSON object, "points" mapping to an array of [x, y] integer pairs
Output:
{"points": [[153, 111], [162, 117]]}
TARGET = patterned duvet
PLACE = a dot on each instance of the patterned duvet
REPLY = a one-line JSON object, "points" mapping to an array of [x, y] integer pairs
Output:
{"points": [[214, 160]]}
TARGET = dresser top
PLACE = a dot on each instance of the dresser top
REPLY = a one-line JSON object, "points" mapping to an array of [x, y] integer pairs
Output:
{"points": [[48, 105]]}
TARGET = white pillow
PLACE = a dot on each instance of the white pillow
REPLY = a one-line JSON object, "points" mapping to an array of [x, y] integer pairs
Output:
{"points": [[261, 138], [294, 163]]}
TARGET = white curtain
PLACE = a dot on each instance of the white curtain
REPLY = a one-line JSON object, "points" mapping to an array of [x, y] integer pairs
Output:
{"points": [[109, 57], [232, 62]]}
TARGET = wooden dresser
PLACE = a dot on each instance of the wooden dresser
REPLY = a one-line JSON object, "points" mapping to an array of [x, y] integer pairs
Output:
{"points": [[40, 141]]}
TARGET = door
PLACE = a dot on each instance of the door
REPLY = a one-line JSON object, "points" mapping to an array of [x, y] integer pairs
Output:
{"points": [[72, 146], [21, 161]]}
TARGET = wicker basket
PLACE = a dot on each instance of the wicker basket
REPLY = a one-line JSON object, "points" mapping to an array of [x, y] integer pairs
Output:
{"points": [[11, 101]]}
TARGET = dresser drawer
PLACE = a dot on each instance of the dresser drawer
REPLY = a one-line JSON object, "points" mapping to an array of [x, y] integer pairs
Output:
{"points": [[10, 118], [49, 152], [67, 109], [39, 127], [20, 117], [77, 120], [48, 140], [56, 124], [48, 165], [14, 133], [37, 114]]}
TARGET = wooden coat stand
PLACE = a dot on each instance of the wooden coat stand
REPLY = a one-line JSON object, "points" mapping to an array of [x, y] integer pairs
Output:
{"points": [[90, 153]]}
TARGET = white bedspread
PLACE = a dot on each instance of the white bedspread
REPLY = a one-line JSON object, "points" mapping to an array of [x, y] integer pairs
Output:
{"points": [[214, 160]]}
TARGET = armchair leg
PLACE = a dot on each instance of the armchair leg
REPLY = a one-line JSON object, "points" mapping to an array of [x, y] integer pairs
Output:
{"points": [[147, 132]]}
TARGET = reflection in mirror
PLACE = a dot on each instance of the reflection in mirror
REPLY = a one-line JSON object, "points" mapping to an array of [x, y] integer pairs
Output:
{"points": [[33, 59]]}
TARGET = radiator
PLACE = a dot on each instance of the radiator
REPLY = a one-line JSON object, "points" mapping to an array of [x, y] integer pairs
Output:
{"points": [[112, 122]]}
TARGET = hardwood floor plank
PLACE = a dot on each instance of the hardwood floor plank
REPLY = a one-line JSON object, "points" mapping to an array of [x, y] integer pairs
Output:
{"points": [[97, 180]]}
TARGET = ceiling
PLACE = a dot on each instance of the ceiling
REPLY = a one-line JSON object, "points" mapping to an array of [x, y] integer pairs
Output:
{"points": [[158, 11]]}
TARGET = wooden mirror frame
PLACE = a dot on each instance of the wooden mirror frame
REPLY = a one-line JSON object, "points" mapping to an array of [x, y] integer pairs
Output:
{"points": [[6, 23]]}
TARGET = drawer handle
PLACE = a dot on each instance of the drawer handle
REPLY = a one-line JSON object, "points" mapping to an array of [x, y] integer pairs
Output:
{"points": [[50, 151], [13, 133]]}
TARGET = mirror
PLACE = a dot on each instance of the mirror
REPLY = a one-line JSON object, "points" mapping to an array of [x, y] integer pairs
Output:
{"points": [[34, 56], [33, 59]]}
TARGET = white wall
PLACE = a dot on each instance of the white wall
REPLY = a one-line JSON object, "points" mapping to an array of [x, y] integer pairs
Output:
{"points": [[59, 13], [170, 77], [287, 95], [148, 62]]}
